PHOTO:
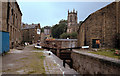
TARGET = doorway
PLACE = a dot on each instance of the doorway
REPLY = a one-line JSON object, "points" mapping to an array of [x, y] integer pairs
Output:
{"points": [[95, 43]]}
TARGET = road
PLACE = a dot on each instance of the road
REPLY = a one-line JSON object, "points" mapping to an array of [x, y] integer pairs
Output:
{"points": [[33, 61]]}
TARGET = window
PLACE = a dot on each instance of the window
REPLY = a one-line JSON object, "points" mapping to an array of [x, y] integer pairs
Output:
{"points": [[87, 28], [14, 19], [71, 18], [12, 11]]}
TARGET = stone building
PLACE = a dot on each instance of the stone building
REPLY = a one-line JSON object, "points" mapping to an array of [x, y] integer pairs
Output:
{"points": [[101, 29], [72, 21], [0, 15], [47, 30], [10, 19], [46, 34], [30, 33]]}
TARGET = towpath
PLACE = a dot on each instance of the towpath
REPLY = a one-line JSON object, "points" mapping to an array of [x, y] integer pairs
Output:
{"points": [[33, 61]]}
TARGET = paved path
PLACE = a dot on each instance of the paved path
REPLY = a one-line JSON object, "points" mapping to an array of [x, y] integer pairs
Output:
{"points": [[28, 61]]}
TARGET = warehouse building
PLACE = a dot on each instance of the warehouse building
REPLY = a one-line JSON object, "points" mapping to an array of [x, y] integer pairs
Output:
{"points": [[101, 29]]}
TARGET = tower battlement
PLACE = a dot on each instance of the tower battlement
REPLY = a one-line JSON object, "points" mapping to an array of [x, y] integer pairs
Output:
{"points": [[72, 12], [72, 21]]}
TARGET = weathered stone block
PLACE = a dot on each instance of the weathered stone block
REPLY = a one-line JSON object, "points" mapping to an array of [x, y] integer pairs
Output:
{"points": [[86, 63]]}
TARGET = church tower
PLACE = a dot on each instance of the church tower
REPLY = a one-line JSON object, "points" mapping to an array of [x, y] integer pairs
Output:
{"points": [[72, 21]]}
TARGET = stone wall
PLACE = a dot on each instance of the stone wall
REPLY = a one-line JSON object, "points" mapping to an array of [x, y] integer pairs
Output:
{"points": [[81, 35], [102, 25], [87, 63], [4, 16], [0, 16], [11, 21], [119, 23], [72, 22]]}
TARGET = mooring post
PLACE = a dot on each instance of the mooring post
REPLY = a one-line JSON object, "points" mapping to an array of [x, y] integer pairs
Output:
{"points": [[71, 63], [58, 52], [64, 63]]}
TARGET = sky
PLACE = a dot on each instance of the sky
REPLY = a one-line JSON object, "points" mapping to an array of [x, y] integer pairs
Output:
{"points": [[50, 13]]}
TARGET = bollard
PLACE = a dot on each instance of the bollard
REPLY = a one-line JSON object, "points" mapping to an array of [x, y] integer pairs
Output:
{"points": [[58, 52], [64, 63], [71, 63]]}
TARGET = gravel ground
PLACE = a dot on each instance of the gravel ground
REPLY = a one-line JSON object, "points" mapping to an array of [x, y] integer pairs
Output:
{"points": [[19, 62]]}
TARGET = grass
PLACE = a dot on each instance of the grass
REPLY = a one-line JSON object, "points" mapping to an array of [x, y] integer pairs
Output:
{"points": [[37, 66], [38, 49], [32, 71], [106, 53], [31, 64], [24, 58], [55, 64]]}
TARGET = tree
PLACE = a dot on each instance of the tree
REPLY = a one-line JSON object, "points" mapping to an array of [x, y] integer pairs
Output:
{"points": [[72, 35], [42, 29], [59, 29], [64, 36]]}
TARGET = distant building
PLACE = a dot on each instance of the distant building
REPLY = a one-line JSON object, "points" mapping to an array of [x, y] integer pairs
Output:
{"points": [[46, 34], [10, 19], [72, 21], [101, 29], [47, 30], [43, 37], [31, 33]]}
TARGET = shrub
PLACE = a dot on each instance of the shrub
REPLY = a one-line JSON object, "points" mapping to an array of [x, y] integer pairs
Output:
{"points": [[73, 35], [112, 49], [64, 35], [69, 35]]}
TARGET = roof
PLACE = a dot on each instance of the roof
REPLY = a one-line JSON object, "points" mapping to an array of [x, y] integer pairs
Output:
{"points": [[94, 13], [18, 7], [29, 26], [47, 27]]}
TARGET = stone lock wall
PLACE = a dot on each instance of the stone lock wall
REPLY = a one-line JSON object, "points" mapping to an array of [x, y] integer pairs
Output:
{"points": [[86, 63]]}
